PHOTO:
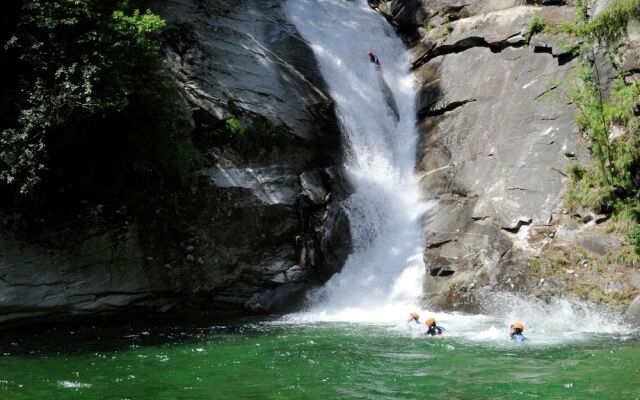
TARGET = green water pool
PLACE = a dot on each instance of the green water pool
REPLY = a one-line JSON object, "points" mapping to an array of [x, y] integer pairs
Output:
{"points": [[311, 361]]}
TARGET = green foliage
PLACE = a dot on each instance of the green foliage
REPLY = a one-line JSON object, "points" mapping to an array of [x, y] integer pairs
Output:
{"points": [[534, 267], [584, 255], [608, 27], [582, 12], [536, 25], [629, 257], [559, 261], [576, 172], [625, 219], [138, 26], [261, 134], [628, 214], [236, 127], [79, 67], [610, 186], [446, 29], [595, 293], [428, 26], [20, 156], [634, 238], [611, 24], [611, 126], [585, 94], [587, 190]]}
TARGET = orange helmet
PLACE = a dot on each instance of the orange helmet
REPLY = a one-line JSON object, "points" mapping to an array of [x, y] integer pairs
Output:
{"points": [[414, 315], [369, 52], [518, 325], [430, 322]]}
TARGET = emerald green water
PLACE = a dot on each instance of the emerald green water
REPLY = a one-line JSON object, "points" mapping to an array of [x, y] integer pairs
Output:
{"points": [[320, 360]]}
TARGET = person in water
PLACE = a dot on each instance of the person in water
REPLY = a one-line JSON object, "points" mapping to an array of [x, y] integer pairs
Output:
{"points": [[515, 331], [374, 58], [432, 328], [414, 317]]}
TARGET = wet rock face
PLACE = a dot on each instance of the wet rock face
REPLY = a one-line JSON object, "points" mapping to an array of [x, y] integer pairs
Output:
{"points": [[42, 281], [245, 56], [259, 221], [252, 232], [496, 138]]}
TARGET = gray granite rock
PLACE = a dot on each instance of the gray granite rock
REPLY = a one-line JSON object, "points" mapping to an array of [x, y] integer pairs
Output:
{"points": [[504, 144], [496, 139], [103, 272], [313, 190], [244, 55]]}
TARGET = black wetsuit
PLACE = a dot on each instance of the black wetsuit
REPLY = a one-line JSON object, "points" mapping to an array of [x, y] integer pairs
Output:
{"points": [[434, 330], [517, 335], [374, 59]]}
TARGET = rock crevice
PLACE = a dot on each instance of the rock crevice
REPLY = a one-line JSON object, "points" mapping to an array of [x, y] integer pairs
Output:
{"points": [[465, 44]]}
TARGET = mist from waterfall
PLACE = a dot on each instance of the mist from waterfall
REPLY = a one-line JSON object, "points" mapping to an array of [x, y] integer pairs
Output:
{"points": [[385, 272]]}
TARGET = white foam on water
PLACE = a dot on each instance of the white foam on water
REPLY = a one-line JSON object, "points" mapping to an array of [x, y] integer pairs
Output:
{"points": [[382, 279], [556, 322], [73, 385]]}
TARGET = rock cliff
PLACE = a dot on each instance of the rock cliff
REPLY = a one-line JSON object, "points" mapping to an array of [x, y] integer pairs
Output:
{"points": [[254, 228], [497, 136]]}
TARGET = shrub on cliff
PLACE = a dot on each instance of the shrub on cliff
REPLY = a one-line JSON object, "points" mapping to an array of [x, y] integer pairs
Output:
{"points": [[259, 135], [536, 25], [608, 118], [634, 238], [612, 23], [88, 100]]}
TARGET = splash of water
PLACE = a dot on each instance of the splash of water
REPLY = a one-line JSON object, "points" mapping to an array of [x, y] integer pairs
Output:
{"points": [[385, 272], [546, 323]]}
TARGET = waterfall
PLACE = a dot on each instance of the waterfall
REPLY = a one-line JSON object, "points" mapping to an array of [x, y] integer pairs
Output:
{"points": [[383, 277], [376, 108]]}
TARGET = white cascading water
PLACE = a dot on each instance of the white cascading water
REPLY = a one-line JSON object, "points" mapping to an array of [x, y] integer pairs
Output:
{"points": [[385, 270], [382, 279]]}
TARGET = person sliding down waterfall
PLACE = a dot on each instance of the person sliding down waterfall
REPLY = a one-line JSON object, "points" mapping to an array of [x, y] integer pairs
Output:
{"points": [[515, 331], [433, 329], [373, 58], [414, 317]]}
